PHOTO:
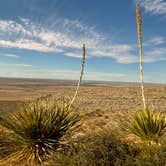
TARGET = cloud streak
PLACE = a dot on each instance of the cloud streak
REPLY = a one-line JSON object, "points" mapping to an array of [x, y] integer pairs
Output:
{"points": [[15, 65], [156, 7], [67, 38], [63, 74], [10, 55], [159, 54], [155, 41]]}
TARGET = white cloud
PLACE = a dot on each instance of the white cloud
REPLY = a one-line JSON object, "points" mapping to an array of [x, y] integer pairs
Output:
{"points": [[158, 40], [27, 35], [104, 76], [10, 55], [15, 64], [67, 37], [154, 55], [73, 54], [26, 44], [63, 74], [155, 6]]}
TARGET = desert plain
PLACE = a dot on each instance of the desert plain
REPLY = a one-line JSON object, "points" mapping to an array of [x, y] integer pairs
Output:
{"points": [[100, 104]]}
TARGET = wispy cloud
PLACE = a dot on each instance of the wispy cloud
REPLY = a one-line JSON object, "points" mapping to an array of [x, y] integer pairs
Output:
{"points": [[16, 64], [63, 74], [104, 76], [155, 41], [67, 37], [154, 55], [154, 51], [156, 7], [26, 44], [27, 35], [10, 55], [73, 75]]}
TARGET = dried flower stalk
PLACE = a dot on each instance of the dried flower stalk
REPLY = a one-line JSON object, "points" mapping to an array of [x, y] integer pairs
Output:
{"points": [[139, 34], [81, 75]]}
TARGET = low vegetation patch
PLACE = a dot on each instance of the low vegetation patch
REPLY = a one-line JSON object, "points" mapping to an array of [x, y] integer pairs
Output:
{"points": [[35, 130], [105, 148]]}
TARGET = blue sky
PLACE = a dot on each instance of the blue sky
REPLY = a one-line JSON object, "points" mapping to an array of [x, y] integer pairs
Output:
{"points": [[43, 39]]}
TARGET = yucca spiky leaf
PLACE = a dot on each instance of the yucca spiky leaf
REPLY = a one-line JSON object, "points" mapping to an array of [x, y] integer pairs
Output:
{"points": [[148, 125], [37, 129]]}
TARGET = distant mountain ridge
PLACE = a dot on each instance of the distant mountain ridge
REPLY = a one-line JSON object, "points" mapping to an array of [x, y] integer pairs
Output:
{"points": [[7, 81]]}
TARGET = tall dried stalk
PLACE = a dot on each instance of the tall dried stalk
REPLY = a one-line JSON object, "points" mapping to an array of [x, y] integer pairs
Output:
{"points": [[81, 75], [139, 34]]}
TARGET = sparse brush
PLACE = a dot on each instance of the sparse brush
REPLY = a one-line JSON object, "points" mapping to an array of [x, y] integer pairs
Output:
{"points": [[103, 148], [139, 34], [36, 130], [148, 125]]}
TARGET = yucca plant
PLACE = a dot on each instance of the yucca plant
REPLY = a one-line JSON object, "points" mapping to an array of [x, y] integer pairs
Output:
{"points": [[36, 130], [148, 125]]}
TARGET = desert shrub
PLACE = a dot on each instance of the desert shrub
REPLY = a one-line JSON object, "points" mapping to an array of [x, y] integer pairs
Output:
{"points": [[35, 130], [99, 149], [148, 125], [153, 155], [107, 149]]}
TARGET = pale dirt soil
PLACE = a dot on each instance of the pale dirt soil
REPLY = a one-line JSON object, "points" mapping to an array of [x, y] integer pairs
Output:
{"points": [[99, 106]]}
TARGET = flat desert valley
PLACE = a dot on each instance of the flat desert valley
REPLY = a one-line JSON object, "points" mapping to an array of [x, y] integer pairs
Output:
{"points": [[99, 104]]}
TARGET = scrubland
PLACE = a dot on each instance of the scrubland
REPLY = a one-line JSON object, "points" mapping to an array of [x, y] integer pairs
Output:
{"points": [[103, 111]]}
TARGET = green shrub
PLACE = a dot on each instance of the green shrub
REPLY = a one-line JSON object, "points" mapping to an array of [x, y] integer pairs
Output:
{"points": [[36, 130], [107, 149], [148, 125], [153, 155], [99, 149]]}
